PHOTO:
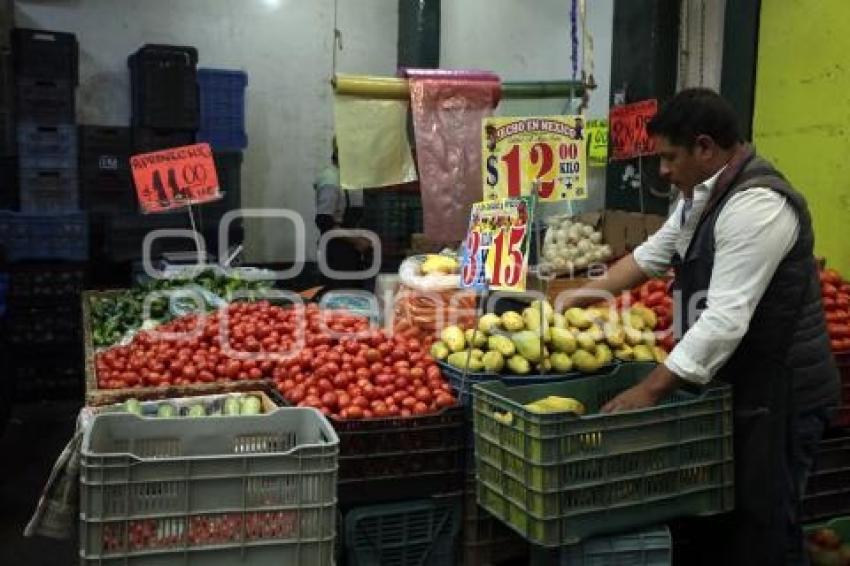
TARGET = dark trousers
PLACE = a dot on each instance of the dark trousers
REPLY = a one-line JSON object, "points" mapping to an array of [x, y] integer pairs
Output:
{"points": [[713, 541], [344, 257]]}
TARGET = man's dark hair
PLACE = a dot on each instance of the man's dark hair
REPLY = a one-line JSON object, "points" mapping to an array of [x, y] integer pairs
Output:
{"points": [[696, 112]]}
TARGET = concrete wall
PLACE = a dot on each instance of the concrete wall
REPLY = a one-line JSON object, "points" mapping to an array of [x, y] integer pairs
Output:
{"points": [[285, 46], [802, 111]]}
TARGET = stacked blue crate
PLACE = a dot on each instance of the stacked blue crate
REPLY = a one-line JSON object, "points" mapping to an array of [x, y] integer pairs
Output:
{"points": [[222, 95]]}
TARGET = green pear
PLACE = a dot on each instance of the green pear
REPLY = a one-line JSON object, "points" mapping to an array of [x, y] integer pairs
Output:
{"points": [[625, 353], [475, 338], [561, 362], [563, 340], [459, 360], [586, 342], [585, 361], [453, 337], [604, 354], [578, 318], [643, 353], [439, 350], [489, 323], [559, 321], [493, 361], [512, 321], [548, 311], [518, 365], [528, 345], [501, 344]]}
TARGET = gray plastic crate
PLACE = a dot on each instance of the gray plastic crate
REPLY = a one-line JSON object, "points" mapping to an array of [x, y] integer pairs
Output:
{"points": [[47, 147], [215, 491], [648, 547]]}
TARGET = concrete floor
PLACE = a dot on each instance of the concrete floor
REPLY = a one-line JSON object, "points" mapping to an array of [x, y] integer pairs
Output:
{"points": [[33, 439]]}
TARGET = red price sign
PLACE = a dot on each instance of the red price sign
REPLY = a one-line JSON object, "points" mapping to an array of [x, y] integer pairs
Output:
{"points": [[627, 129], [173, 178], [495, 255]]}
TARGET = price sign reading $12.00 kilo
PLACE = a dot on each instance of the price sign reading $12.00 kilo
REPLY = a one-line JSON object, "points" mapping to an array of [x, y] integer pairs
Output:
{"points": [[495, 254], [521, 153]]}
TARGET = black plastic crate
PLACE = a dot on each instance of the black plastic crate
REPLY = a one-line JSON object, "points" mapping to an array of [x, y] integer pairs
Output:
{"points": [[44, 101], [394, 459], [47, 147], [43, 326], [44, 54], [104, 149], [828, 489], [125, 234], [7, 81], [108, 192], [410, 533], [146, 140], [7, 22], [47, 374], [49, 191], [46, 283], [228, 166], [485, 539], [9, 183], [44, 237], [164, 87]]}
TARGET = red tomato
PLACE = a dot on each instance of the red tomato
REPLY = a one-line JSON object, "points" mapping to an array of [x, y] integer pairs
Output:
{"points": [[420, 408], [354, 412], [445, 400], [829, 303], [405, 412], [360, 401], [330, 399], [408, 402], [423, 394], [829, 290]]}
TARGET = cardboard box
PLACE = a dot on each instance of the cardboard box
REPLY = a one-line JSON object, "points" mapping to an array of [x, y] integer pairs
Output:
{"points": [[623, 230]]}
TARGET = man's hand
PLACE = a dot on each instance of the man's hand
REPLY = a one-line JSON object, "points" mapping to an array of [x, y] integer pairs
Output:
{"points": [[654, 388]]}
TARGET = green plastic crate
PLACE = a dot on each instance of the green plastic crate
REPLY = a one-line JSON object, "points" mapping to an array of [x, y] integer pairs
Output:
{"points": [[558, 479], [252, 490], [647, 547], [413, 533]]}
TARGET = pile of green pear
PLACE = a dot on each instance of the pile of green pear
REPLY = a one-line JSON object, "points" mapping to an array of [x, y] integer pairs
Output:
{"points": [[540, 340]]}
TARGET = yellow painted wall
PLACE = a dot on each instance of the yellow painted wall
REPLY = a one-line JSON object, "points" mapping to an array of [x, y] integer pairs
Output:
{"points": [[802, 111]]}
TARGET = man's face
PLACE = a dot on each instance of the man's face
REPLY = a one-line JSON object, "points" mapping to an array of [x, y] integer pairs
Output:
{"points": [[685, 168]]}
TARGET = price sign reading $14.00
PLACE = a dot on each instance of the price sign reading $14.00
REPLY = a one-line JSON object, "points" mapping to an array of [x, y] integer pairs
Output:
{"points": [[173, 178], [519, 154], [495, 254]]}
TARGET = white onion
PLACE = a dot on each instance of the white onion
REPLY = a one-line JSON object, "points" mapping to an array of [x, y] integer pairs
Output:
{"points": [[574, 233], [584, 246], [550, 253], [581, 262], [596, 237], [560, 263], [587, 230], [606, 252]]}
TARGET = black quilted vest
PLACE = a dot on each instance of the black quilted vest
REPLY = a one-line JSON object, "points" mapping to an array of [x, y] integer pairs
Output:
{"points": [[787, 338]]}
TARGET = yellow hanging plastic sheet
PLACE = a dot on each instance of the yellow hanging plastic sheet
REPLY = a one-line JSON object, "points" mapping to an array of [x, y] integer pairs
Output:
{"points": [[371, 137]]}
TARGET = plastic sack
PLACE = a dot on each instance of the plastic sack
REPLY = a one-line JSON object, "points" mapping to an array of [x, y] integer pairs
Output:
{"points": [[420, 314], [410, 277], [447, 108]]}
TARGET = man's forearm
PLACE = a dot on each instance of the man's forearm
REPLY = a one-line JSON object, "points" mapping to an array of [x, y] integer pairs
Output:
{"points": [[623, 275]]}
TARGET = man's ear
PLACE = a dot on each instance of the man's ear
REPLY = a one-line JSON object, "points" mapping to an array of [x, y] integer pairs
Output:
{"points": [[705, 145]]}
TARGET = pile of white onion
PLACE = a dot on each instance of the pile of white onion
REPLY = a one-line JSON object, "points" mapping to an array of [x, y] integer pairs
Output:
{"points": [[571, 245]]}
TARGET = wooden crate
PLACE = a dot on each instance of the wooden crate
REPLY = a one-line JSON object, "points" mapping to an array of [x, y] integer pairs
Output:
{"points": [[97, 397]]}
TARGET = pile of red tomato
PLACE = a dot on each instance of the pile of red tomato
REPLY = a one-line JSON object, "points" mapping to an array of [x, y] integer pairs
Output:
{"points": [[836, 305], [330, 360], [224, 528]]}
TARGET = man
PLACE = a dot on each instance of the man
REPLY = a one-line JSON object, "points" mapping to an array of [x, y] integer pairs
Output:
{"points": [[340, 209], [741, 242]]}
